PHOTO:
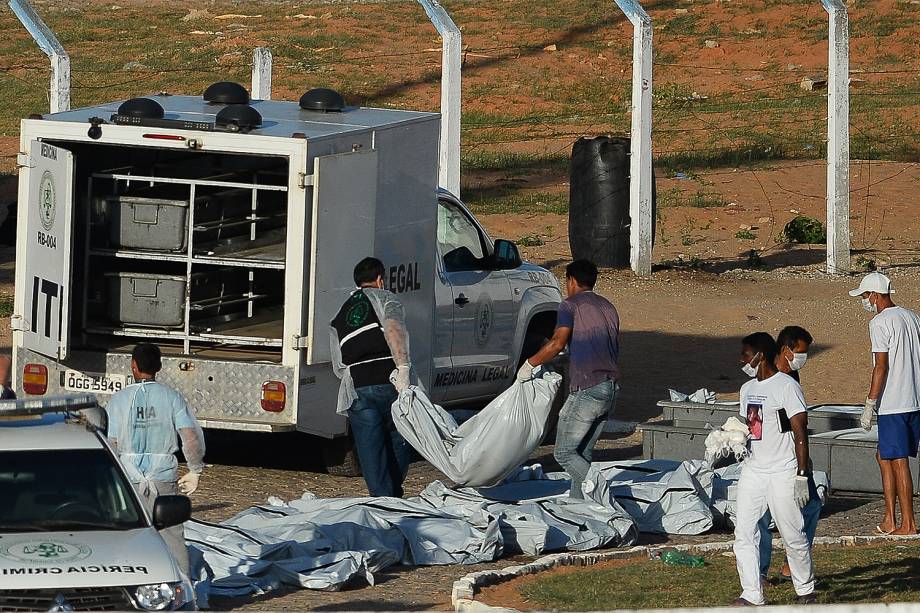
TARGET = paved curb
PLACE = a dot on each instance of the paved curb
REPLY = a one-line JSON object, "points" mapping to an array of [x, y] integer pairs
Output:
{"points": [[463, 594]]}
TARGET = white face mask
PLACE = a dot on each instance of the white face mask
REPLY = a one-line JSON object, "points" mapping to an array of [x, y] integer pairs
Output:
{"points": [[751, 371], [798, 361], [872, 308]]}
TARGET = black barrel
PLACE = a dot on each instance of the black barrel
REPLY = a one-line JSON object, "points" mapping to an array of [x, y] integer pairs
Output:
{"points": [[599, 201]]}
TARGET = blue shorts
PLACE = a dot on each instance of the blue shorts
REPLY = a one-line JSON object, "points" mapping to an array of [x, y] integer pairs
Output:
{"points": [[898, 435]]}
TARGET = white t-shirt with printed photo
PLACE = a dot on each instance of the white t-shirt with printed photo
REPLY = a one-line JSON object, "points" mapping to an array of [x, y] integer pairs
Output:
{"points": [[772, 450], [896, 331]]}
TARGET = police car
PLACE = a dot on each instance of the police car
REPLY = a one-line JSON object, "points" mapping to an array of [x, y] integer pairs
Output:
{"points": [[74, 535]]}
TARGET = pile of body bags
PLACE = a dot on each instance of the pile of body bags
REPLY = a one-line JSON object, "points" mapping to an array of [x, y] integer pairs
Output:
{"points": [[497, 507]]}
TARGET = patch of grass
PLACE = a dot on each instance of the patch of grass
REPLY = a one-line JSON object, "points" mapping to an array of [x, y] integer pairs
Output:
{"points": [[873, 573], [684, 25], [6, 305], [866, 264], [722, 157], [530, 240], [745, 235], [675, 197], [706, 200], [513, 202], [513, 162]]}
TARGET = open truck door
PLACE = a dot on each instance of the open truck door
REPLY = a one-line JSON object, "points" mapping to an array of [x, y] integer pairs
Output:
{"points": [[344, 196], [45, 209]]}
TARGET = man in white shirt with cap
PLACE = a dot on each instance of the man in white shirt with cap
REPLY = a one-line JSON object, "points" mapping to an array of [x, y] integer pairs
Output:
{"points": [[894, 396]]}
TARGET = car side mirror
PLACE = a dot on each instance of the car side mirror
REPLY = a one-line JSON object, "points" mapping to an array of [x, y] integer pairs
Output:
{"points": [[505, 255], [169, 511]]}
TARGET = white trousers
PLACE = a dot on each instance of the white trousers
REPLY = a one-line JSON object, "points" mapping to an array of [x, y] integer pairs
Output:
{"points": [[757, 492]]}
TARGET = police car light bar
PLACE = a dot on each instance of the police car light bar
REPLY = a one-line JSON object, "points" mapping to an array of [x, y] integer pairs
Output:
{"points": [[52, 404]]}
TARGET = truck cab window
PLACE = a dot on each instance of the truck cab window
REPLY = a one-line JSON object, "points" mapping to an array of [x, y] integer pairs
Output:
{"points": [[459, 240]]}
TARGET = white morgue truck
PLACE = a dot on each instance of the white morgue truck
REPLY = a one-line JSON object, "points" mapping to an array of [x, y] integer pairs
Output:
{"points": [[225, 230]]}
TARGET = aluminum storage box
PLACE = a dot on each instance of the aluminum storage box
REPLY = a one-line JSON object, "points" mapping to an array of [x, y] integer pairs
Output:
{"points": [[146, 299], [136, 222], [157, 219]]}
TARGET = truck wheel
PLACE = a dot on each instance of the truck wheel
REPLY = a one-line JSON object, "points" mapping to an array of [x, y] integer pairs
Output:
{"points": [[341, 458]]}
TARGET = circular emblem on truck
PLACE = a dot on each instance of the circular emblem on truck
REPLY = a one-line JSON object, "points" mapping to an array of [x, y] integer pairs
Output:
{"points": [[46, 200], [483, 324], [44, 552]]}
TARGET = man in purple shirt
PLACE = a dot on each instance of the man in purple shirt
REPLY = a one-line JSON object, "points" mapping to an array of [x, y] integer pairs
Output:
{"points": [[590, 326]]}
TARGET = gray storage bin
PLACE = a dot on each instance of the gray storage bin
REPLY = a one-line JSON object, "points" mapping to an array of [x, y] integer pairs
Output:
{"points": [[136, 222], [156, 218], [146, 299]]}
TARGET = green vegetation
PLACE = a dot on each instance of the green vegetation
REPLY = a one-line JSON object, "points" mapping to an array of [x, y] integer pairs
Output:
{"points": [[745, 235], [488, 203], [805, 230], [699, 199], [6, 305], [511, 162], [530, 240], [878, 573], [866, 264]]}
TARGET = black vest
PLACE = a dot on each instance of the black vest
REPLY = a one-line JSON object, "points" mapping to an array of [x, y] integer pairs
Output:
{"points": [[362, 342]]}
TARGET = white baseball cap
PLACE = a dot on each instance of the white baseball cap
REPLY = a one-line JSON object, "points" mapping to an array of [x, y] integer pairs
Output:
{"points": [[873, 282]]}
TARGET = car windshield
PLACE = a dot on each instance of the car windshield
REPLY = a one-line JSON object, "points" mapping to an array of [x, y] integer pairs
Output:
{"points": [[54, 490]]}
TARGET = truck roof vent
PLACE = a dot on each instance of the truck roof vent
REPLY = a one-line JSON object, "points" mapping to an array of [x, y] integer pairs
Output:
{"points": [[141, 107], [226, 92], [322, 99], [243, 116]]}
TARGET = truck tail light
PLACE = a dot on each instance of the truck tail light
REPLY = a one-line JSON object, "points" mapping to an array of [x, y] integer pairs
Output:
{"points": [[35, 379], [274, 394]]}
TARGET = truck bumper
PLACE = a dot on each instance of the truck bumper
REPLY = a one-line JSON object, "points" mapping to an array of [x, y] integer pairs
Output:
{"points": [[223, 393]]}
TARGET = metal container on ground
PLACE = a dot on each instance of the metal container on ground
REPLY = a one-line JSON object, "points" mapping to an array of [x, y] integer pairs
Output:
{"points": [[821, 417]]}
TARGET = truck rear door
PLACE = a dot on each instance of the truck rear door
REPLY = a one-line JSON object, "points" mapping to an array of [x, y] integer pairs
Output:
{"points": [[43, 283]]}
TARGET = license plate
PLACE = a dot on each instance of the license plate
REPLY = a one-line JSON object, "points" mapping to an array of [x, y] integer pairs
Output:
{"points": [[97, 383]]}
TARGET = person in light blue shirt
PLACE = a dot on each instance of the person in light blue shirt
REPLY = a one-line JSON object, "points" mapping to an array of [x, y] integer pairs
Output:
{"points": [[145, 422]]}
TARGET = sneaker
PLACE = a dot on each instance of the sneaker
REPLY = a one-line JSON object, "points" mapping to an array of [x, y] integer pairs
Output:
{"points": [[741, 602], [806, 599]]}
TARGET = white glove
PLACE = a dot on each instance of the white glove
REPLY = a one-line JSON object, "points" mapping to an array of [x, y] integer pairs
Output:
{"points": [[865, 419], [525, 372], [189, 483], [800, 491], [402, 378]]}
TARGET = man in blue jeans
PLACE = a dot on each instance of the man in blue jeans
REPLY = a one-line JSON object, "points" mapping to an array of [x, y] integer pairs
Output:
{"points": [[368, 341], [590, 326], [793, 343]]}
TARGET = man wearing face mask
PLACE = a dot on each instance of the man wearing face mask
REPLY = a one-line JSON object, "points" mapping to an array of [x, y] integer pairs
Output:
{"points": [[793, 343], [894, 395], [775, 475]]}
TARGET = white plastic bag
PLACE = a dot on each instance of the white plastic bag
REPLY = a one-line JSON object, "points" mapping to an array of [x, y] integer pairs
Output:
{"points": [[488, 446]]}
